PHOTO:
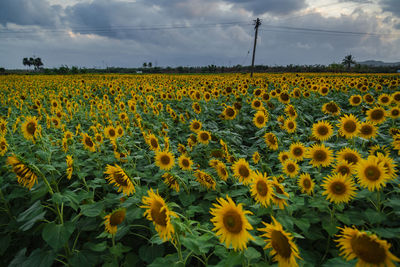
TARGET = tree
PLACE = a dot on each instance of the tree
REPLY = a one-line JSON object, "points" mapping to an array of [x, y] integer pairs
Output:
{"points": [[348, 60], [144, 65], [37, 62], [32, 61], [25, 61], [149, 64]]}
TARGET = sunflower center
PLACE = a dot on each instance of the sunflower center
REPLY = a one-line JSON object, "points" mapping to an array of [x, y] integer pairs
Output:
{"points": [[31, 128], [196, 125], [368, 250], [297, 151], [158, 215], [322, 130], [204, 136], [331, 107], [356, 100], [377, 114], [153, 143], [307, 183], [290, 168], [290, 125], [185, 163], [111, 132], [88, 142], [320, 155], [338, 188], [230, 112], [395, 112], [350, 157], [120, 179], [257, 104], [233, 222], [165, 159], [384, 99], [262, 188], [260, 119], [244, 171], [372, 173], [117, 218], [280, 244], [366, 130], [344, 170], [284, 97], [350, 126]]}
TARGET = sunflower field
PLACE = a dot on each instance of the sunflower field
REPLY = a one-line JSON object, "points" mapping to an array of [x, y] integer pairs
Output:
{"points": [[200, 170]]}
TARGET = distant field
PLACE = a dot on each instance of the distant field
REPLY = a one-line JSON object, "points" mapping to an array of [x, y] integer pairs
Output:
{"points": [[195, 170]]}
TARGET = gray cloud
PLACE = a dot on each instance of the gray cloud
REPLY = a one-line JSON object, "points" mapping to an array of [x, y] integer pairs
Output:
{"points": [[392, 6], [28, 12], [270, 6]]}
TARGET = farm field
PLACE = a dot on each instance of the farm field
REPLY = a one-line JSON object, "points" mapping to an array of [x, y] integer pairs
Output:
{"points": [[200, 170]]}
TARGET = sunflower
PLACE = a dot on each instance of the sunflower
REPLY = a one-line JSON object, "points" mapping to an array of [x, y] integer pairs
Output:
{"points": [[368, 98], [376, 115], [331, 108], [118, 177], [196, 107], [281, 121], [284, 249], [30, 128], [25, 175], [297, 151], [158, 212], [152, 142], [110, 132], [367, 248], [389, 164], [271, 141], [284, 98], [320, 155], [385, 99], [185, 163], [3, 127], [355, 100], [322, 130], [257, 104], [338, 188], [204, 137], [120, 131], [306, 184], [279, 189], [283, 156], [290, 125], [394, 112], [171, 181], [88, 142], [261, 189], [349, 155], [242, 171], [374, 150], [348, 126], [290, 168], [396, 97], [99, 138], [221, 169], [231, 224], [70, 163], [3, 146], [260, 119], [205, 179], [367, 130], [290, 111], [256, 157], [371, 173], [112, 220], [195, 126], [344, 168], [229, 113], [164, 159]]}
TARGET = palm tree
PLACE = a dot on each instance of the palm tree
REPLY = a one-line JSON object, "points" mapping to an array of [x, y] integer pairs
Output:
{"points": [[348, 60]]}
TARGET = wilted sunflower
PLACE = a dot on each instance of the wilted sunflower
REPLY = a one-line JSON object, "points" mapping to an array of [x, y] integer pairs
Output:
{"points": [[355, 100], [371, 173], [70, 163], [348, 126], [279, 189], [112, 220], [349, 155], [231, 224], [306, 184], [376, 115], [284, 249], [158, 212], [204, 137], [205, 179], [322, 130], [297, 151], [320, 155], [260, 119], [338, 188], [88, 142], [164, 159], [195, 126], [290, 168], [3, 146], [271, 141], [242, 171], [344, 168], [30, 128], [389, 164], [185, 163], [367, 130], [25, 175], [331, 108], [367, 248], [118, 177], [171, 181], [261, 189]]}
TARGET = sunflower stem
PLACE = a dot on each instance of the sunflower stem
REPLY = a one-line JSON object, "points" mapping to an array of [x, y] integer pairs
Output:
{"points": [[378, 201]]}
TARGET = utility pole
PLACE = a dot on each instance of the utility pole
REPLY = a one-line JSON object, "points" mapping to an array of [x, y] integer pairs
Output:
{"points": [[257, 23]]}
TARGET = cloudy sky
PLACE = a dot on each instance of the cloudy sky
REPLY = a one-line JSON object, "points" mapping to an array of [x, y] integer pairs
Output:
{"points": [[126, 33]]}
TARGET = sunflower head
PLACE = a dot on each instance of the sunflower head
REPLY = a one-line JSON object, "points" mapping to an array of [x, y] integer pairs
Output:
{"points": [[349, 126], [271, 141], [25, 175], [231, 224], [306, 184], [297, 151], [185, 163], [371, 173], [30, 128], [204, 137], [376, 115], [338, 188], [260, 119], [88, 142], [112, 220], [195, 126], [242, 171], [118, 177], [322, 130], [320, 155], [261, 189], [164, 159], [171, 181], [290, 168]]}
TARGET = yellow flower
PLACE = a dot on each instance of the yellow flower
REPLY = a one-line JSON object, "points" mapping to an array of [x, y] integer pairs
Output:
{"points": [[271, 141], [205, 179], [290, 125], [367, 130], [322, 130], [195, 126], [344, 168], [256, 157], [338, 188], [30, 128], [279, 189], [112, 220], [118, 177], [367, 248], [231, 224], [348, 126], [242, 171], [185, 163], [331, 108], [158, 212], [306, 183], [371, 173], [3, 146], [25, 175], [261, 189], [284, 249], [171, 181], [349, 155], [376, 115], [203, 137], [320, 155], [70, 163], [110, 132], [88, 142], [164, 159], [297, 151], [355, 100], [290, 168], [260, 119]]}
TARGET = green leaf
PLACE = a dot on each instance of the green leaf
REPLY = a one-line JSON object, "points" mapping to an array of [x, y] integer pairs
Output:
{"points": [[31, 216], [119, 249], [19, 258], [40, 258], [386, 232], [251, 253], [56, 235], [92, 210], [330, 226], [4, 243], [302, 223], [83, 258], [374, 217], [98, 247], [149, 253]]}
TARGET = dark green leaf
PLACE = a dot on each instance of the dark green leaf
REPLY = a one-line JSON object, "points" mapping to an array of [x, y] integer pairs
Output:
{"points": [[56, 235], [40, 258], [92, 210]]}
